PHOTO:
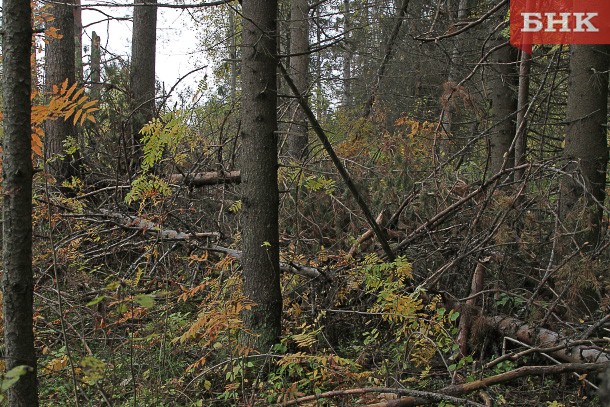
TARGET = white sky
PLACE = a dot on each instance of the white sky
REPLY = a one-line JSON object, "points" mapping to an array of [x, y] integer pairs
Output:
{"points": [[176, 41]]}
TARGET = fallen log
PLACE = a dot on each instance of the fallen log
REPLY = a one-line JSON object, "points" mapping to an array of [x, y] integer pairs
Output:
{"points": [[202, 179], [534, 336], [418, 396], [152, 228], [464, 388]]}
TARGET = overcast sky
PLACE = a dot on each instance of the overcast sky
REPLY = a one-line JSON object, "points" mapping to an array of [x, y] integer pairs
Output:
{"points": [[177, 47]]}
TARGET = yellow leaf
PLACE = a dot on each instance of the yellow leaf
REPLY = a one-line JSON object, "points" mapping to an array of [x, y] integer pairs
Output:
{"points": [[77, 116], [78, 94], [91, 119], [64, 86], [89, 104], [57, 364]]}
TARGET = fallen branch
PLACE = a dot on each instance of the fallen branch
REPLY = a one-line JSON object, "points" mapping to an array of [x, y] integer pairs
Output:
{"points": [[419, 397], [458, 389], [149, 227], [523, 371], [206, 178], [513, 327], [294, 268], [152, 228]]}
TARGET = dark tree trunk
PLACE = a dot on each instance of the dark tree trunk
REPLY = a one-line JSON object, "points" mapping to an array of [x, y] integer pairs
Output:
{"points": [[299, 66], [60, 65], [17, 282], [260, 260], [143, 53], [503, 107], [586, 149]]}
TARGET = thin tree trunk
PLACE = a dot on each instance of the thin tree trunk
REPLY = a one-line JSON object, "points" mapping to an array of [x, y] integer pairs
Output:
{"points": [[389, 52], [17, 280], [260, 196], [347, 56], [299, 66], [78, 41], [96, 66], [523, 94], [462, 14], [143, 57], [233, 55], [60, 66]]}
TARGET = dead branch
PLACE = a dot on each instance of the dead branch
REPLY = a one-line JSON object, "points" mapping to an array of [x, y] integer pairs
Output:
{"points": [[464, 388], [206, 178], [531, 335], [149, 227], [419, 397], [366, 235], [476, 286], [294, 268], [152, 228]]}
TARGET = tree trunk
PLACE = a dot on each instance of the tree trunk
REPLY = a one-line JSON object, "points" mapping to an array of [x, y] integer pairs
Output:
{"points": [[299, 66], [78, 41], [143, 55], [448, 110], [586, 149], [503, 107], [59, 55], [347, 56], [17, 281], [522, 106], [233, 55], [96, 66], [260, 197]]}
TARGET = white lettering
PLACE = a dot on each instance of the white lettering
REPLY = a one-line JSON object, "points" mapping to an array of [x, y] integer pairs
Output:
{"points": [[551, 22], [586, 21], [531, 22]]}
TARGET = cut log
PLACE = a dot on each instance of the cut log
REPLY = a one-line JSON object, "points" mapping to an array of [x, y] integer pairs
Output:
{"points": [[542, 337], [206, 178]]}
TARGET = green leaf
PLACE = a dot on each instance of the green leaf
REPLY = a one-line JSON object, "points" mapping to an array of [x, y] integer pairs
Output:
{"points": [[96, 300], [145, 300], [12, 376]]}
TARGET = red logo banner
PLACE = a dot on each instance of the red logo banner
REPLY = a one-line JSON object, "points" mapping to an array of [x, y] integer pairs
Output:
{"points": [[559, 22]]}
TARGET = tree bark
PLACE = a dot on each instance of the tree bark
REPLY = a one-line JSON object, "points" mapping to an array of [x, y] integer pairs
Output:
{"points": [[299, 67], [259, 163], [142, 77], [503, 107], [207, 178], [60, 65], [448, 110], [586, 150], [347, 55], [17, 281], [522, 106], [78, 41], [96, 66]]}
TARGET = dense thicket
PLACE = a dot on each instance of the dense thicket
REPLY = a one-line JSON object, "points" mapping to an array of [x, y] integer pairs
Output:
{"points": [[235, 263]]}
